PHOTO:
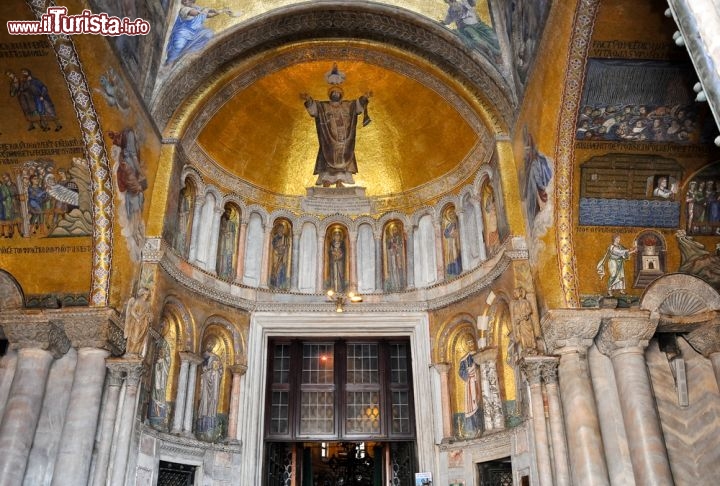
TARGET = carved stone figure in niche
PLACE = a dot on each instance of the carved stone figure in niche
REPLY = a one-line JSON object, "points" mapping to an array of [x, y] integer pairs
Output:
{"points": [[451, 242], [523, 341], [208, 426], [138, 317], [468, 371], [227, 246], [281, 246], [158, 411], [490, 218], [395, 273], [184, 221], [615, 256], [336, 123], [336, 255]]}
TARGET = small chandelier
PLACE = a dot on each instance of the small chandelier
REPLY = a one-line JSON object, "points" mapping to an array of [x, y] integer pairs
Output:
{"points": [[341, 299]]}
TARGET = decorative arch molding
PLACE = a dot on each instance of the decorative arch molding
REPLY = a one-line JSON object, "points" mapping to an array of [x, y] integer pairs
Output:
{"points": [[190, 172], [237, 343], [424, 211], [337, 219], [256, 209], [174, 306], [405, 30], [448, 331]]}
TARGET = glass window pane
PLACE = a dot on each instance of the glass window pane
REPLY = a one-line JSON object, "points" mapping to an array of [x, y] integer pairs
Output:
{"points": [[400, 412], [363, 413], [317, 412], [362, 364], [398, 364], [318, 363], [281, 364], [279, 413]]}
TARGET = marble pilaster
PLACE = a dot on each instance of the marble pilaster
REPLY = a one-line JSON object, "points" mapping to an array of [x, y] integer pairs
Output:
{"points": [[443, 369], [214, 240], [125, 425], [238, 371], [7, 370], [319, 284], [479, 221], [295, 261], [195, 232], [557, 429], [265, 261], [352, 256], [440, 255], [532, 367], [464, 255], [624, 340], [179, 413], [569, 333], [107, 423], [378, 263]]}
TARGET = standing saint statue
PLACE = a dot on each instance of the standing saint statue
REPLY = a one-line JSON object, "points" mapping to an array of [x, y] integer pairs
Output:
{"points": [[138, 316], [336, 123], [522, 335], [615, 256]]}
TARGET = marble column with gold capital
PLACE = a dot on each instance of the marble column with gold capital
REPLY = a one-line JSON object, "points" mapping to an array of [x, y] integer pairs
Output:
{"points": [[238, 371], [532, 367], [125, 422], [624, 340], [37, 340], [549, 373], [113, 383], [568, 333]]}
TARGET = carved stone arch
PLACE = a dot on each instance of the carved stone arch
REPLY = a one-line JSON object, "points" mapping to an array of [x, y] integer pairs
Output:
{"points": [[282, 213], [409, 32], [423, 211], [368, 220], [236, 200], [11, 293], [485, 173], [337, 219], [445, 202], [210, 189], [299, 223], [679, 295], [468, 192], [190, 172], [177, 310], [450, 330], [234, 340], [260, 211], [402, 217]]}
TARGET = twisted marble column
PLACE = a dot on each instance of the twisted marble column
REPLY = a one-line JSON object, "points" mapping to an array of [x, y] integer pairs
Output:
{"points": [[624, 340], [532, 367]]}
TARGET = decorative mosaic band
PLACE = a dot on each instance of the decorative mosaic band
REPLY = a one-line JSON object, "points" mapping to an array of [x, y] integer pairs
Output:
{"points": [[565, 152], [101, 183]]}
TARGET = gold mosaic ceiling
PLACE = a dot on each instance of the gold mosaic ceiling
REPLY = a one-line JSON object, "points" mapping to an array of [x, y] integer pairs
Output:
{"points": [[422, 128]]}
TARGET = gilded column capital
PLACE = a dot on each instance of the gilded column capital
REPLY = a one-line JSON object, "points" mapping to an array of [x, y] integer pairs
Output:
{"points": [[705, 339], [35, 329], [568, 330], [625, 333]]}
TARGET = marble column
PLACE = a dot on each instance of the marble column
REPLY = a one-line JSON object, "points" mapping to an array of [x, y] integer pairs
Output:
{"points": [[706, 341], [107, 423], [265, 261], [7, 371], [569, 333], [241, 250], [464, 255], [624, 340], [493, 416], [295, 262], [378, 264], [22, 412], [195, 232], [72, 463], [126, 419], [557, 429], [193, 361], [214, 240], [352, 256], [440, 255], [238, 371], [410, 252], [319, 284], [179, 414], [481, 229], [443, 369], [532, 367]]}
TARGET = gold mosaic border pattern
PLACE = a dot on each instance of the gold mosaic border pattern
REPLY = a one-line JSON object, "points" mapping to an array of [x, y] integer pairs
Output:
{"points": [[583, 24], [96, 154]]}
